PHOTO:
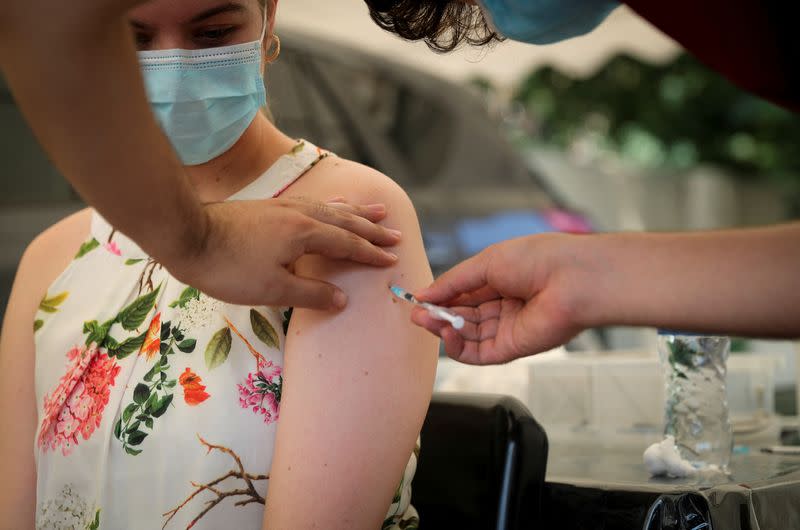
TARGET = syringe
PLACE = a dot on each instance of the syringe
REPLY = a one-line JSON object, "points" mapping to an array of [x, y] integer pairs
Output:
{"points": [[437, 312]]}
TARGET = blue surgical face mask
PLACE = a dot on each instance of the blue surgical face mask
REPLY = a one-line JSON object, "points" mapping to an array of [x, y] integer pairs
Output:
{"points": [[545, 21], [204, 99]]}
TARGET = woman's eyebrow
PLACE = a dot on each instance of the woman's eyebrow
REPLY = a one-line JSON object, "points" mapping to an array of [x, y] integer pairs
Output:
{"points": [[139, 25], [230, 7]]}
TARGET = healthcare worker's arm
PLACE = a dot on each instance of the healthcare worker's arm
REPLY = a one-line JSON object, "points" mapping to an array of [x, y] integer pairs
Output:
{"points": [[72, 69], [356, 383], [528, 295]]}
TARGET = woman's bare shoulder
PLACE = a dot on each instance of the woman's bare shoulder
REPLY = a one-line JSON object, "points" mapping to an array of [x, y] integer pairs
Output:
{"points": [[356, 183], [52, 250]]}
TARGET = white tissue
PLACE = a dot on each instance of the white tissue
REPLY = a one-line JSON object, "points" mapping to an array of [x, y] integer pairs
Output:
{"points": [[663, 458]]}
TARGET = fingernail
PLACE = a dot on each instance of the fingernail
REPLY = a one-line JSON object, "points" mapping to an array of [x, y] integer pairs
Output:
{"points": [[396, 233], [377, 208], [337, 199], [391, 255], [339, 300]]}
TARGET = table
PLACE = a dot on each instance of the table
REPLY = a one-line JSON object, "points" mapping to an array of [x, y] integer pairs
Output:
{"points": [[608, 488]]}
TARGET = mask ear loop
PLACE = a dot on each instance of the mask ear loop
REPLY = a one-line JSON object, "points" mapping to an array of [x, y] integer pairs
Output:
{"points": [[264, 26]]}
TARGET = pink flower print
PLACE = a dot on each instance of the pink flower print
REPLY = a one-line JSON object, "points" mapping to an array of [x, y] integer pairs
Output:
{"points": [[76, 405], [79, 403], [113, 248], [261, 391], [268, 370], [67, 424], [80, 359]]}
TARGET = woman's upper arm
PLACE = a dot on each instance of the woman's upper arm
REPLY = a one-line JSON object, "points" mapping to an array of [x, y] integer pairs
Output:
{"points": [[44, 259], [356, 389]]}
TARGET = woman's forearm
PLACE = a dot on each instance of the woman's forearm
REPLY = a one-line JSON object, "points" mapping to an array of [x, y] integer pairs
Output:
{"points": [[74, 74], [744, 282]]}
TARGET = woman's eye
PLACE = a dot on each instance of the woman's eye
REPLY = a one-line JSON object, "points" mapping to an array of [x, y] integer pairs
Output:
{"points": [[143, 40], [214, 35]]}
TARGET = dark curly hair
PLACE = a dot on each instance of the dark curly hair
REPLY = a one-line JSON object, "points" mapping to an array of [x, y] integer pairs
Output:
{"points": [[442, 24]]}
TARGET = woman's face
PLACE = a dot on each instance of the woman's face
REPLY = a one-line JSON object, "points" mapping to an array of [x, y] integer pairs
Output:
{"points": [[195, 24]]}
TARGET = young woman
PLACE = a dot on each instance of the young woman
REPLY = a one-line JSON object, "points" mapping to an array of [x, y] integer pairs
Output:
{"points": [[149, 404]]}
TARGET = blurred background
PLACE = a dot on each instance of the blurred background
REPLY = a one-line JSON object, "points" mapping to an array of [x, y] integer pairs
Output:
{"points": [[617, 130]]}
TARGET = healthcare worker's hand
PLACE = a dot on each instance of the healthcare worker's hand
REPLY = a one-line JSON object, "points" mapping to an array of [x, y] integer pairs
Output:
{"points": [[528, 295], [517, 297], [250, 248]]}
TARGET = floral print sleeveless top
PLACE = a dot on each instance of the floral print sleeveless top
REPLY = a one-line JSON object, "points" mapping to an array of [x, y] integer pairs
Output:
{"points": [[158, 405]]}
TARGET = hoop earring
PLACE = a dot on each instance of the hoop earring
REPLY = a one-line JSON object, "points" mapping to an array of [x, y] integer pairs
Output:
{"points": [[276, 52]]}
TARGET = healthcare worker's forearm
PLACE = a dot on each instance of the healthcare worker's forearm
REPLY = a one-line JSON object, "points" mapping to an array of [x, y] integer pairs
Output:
{"points": [[73, 71], [744, 282]]}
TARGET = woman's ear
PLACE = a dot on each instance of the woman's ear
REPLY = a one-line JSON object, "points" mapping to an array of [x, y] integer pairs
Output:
{"points": [[269, 41], [272, 7]]}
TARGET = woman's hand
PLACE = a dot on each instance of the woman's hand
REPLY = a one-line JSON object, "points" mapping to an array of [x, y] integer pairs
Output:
{"points": [[247, 251]]}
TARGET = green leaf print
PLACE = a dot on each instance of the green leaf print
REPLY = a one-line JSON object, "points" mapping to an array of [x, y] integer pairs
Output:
{"points": [[398, 492], [161, 406], [133, 261], [165, 330], [133, 428], [298, 148], [287, 316], [141, 393], [187, 346], [94, 525], [133, 315], [411, 523], [97, 332], [128, 412], [124, 348], [148, 405], [218, 348], [136, 437], [157, 367], [152, 397], [50, 304], [188, 294], [263, 329], [37, 324], [87, 247]]}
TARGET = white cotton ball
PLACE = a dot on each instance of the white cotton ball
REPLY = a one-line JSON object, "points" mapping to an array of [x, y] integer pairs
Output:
{"points": [[653, 461], [663, 458]]}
